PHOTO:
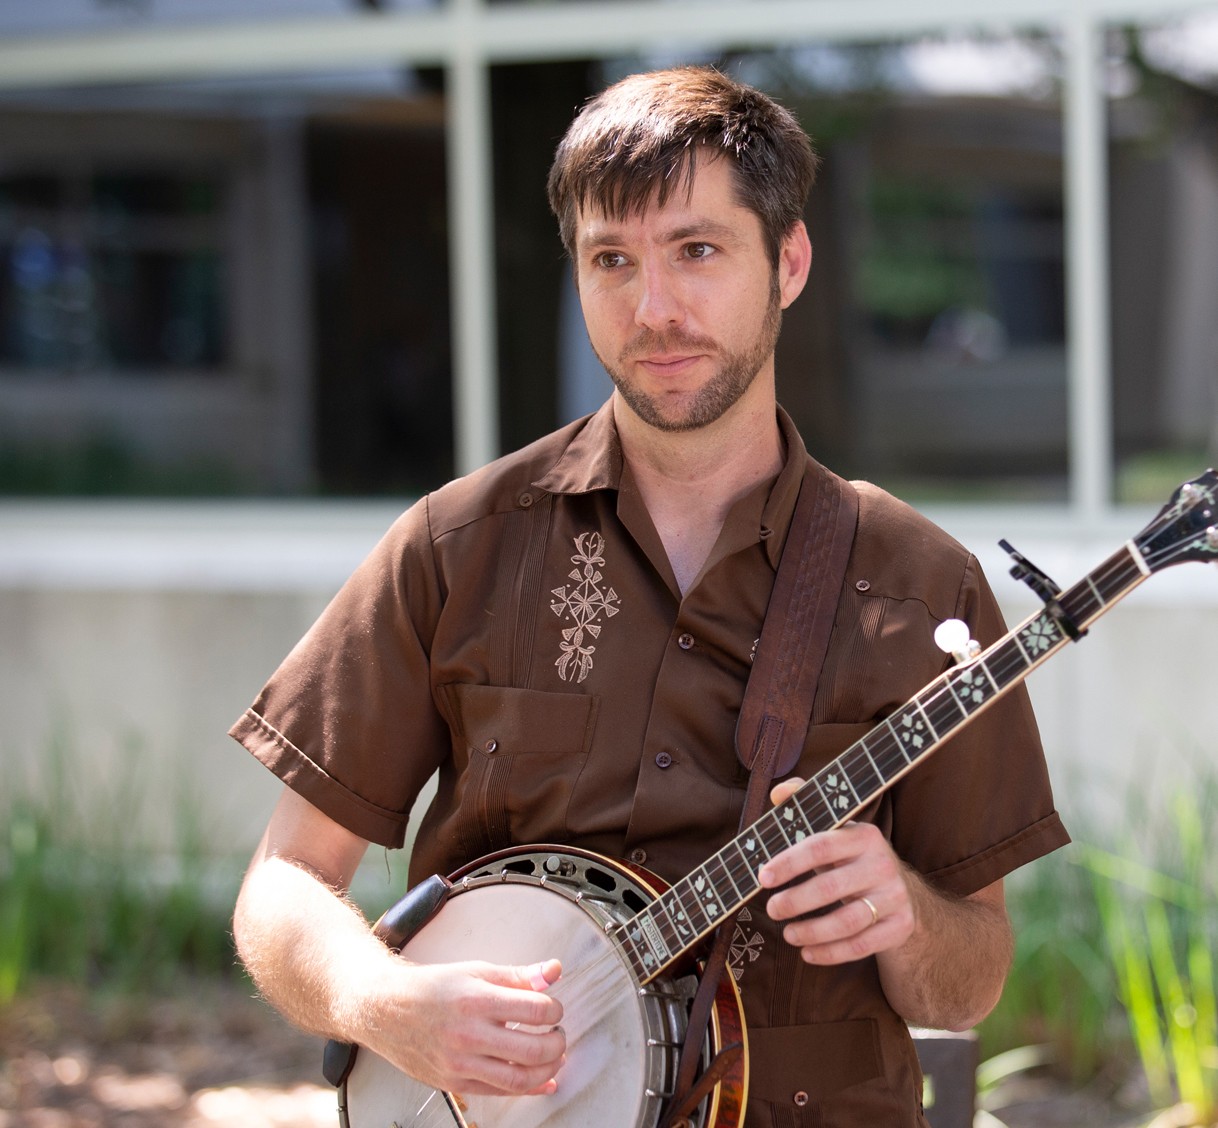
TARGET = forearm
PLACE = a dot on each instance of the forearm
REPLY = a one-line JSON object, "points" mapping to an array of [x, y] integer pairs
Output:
{"points": [[950, 972], [308, 950]]}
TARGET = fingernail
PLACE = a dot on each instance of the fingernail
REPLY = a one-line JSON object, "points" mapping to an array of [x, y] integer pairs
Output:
{"points": [[536, 980]]}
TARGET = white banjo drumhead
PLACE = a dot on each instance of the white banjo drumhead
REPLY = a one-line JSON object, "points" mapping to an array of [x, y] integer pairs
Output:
{"points": [[606, 1076]]}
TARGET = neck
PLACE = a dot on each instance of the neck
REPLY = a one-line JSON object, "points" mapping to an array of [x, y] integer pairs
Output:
{"points": [[690, 480]]}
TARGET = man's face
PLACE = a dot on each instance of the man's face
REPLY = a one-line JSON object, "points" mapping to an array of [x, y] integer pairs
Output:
{"points": [[682, 303]]}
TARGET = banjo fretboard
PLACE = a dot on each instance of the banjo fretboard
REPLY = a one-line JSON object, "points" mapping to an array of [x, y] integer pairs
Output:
{"points": [[698, 903]]}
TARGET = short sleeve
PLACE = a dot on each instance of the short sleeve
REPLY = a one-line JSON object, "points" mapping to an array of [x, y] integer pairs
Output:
{"points": [[980, 805], [985, 794], [348, 720]]}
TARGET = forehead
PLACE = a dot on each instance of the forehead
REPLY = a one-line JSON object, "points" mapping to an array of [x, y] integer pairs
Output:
{"points": [[708, 206]]}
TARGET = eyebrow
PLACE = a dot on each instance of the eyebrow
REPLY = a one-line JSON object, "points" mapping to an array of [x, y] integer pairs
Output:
{"points": [[693, 229]]}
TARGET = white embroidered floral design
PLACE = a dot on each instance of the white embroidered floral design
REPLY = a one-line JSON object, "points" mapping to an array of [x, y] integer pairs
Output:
{"points": [[584, 604], [745, 946]]}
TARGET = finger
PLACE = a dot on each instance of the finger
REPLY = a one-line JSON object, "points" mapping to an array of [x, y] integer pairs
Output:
{"points": [[498, 1078], [526, 1002], [851, 842], [816, 853], [815, 949], [521, 1061], [781, 792]]}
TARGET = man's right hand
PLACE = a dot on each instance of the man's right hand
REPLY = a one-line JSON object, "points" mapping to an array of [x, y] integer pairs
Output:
{"points": [[474, 1028]]}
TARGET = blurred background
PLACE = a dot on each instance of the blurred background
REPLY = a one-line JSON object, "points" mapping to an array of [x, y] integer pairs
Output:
{"points": [[270, 269]]}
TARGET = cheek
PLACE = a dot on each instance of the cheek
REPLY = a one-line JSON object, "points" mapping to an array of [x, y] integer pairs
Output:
{"points": [[604, 315]]}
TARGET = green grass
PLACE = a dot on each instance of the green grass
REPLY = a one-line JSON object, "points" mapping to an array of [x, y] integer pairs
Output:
{"points": [[1114, 970], [85, 899], [1160, 916]]}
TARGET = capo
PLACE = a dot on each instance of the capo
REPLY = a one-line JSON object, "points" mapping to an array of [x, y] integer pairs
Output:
{"points": [[1045, 588]]}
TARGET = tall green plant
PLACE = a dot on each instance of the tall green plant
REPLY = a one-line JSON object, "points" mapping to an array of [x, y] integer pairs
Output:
{"points": [[86, 897], [1059, 991], [1161, 923]]}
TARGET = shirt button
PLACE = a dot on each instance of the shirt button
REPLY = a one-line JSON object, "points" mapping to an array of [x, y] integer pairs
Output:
{"points": [[800, 1098], [638, 855], [663, 760], [525, 500], [686, 642], [490, 747], [863, 585]]}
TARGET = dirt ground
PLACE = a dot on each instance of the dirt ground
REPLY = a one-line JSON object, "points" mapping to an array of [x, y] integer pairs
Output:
{"points": [[212, 1055]]}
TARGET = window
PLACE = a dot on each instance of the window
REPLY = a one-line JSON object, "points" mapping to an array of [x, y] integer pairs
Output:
{"points": [[1163, 157], [108, 269]]}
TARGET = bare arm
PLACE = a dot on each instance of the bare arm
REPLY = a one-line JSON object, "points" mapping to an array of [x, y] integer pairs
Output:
{"points": [[943, 960], [314, 958]]}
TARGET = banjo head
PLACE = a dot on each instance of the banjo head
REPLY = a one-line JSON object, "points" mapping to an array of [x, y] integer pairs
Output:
{"points": [[522, 907]]}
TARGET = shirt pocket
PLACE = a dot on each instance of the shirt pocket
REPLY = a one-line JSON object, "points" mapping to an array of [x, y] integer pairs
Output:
{"points": [[822, 1074], [519, 753]]}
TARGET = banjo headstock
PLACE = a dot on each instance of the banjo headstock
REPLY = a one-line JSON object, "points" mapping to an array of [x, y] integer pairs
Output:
{"points": [[1186, 528]]}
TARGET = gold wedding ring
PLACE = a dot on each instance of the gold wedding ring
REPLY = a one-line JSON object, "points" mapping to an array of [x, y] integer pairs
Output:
{"points": [[875, 916]]}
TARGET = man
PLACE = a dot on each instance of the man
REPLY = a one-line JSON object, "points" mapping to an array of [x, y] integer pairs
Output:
{"points": [[565, 636]]}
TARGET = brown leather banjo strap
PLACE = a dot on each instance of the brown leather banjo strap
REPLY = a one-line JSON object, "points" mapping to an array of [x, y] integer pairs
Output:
{"points": [[777, 709]]}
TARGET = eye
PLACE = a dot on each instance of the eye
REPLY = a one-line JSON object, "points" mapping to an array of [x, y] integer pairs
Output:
{"points": [[699, 250], [609, 260]]}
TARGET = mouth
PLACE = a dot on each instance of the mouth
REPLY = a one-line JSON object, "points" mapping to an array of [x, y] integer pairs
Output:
{"points": [[668, 364]]}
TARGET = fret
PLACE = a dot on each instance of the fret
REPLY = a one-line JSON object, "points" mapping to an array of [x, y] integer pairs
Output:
{"points": [[864, 776], [1008, 662], [721, 878], [709, 899], [972, 686], [670, 934], [740, 870], [912, 730], [690, 906], [861, 745], [812, 790], [771, 834], [1099, 599], [836, 790], [1081, 602], [752, 850], [1037, 637], [642, 959], [678, 921], [885, 751], [792, 820], [942, 710]]}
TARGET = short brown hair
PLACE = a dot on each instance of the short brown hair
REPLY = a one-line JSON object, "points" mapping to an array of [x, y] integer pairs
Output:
{"points": [[641, 137]]}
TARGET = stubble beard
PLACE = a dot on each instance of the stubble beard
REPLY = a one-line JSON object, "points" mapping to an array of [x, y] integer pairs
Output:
{"points": [[734, 376]]}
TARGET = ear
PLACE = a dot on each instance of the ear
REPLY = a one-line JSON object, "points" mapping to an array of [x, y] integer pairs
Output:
{"points": [[794, 263]]}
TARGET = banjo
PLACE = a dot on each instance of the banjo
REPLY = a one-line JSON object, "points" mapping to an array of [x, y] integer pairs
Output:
{"points": [[625, 938]]}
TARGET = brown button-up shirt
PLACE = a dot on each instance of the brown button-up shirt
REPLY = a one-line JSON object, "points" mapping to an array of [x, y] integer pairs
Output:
{"points": [[521, 632]]}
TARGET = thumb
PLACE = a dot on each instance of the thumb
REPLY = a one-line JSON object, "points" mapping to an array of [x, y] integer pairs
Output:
{"points": [[538, 976], [525, 977], [781, 792]]}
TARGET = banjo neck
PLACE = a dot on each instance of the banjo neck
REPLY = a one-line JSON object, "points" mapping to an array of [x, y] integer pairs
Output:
{"points": [[672, 925]]}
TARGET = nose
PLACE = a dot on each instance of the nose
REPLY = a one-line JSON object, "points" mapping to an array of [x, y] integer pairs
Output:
{"points": [[659, 305]]}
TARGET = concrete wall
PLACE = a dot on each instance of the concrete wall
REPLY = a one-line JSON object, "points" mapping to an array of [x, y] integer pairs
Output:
{"points": [[131, 636]]}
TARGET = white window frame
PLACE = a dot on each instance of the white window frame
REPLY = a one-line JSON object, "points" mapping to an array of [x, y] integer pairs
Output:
{"points": [[466, 37]]}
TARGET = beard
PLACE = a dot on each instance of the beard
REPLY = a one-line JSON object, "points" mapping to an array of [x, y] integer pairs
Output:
{"points": [[734, 376]]}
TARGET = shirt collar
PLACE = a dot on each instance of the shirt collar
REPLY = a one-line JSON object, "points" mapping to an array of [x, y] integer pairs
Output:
{"points": [[592, 460]]}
